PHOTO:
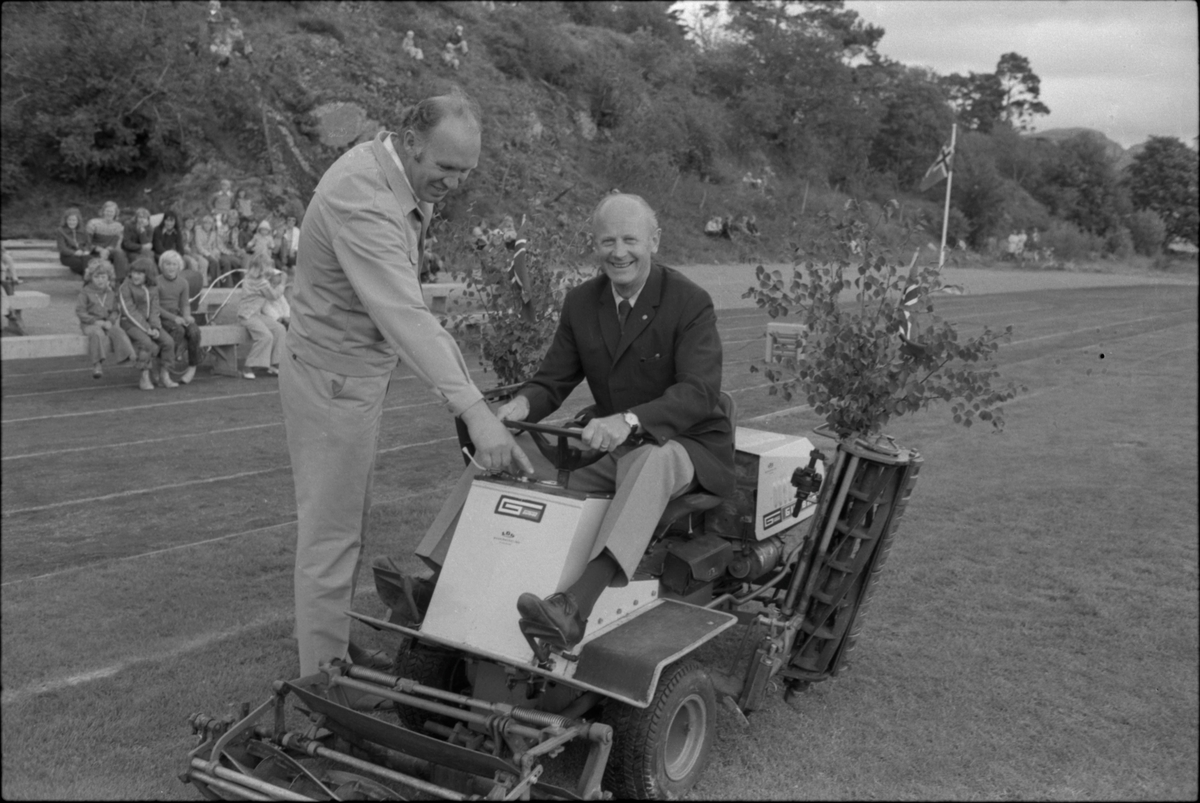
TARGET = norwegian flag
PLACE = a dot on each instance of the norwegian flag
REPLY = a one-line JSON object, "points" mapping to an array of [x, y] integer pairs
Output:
{"points": [[908, 304], [940, 168]]}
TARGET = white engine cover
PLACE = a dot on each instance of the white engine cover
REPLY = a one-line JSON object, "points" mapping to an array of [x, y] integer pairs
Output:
{"points": [[512, 537], [769, 459]]}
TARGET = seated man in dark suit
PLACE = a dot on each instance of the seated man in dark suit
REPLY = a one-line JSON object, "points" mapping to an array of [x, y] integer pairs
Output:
{"points": [[645, 338]]}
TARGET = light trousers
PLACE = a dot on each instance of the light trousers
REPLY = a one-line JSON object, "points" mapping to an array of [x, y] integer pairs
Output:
{"points": [[267, 337], [332, 424], [642, 479]]}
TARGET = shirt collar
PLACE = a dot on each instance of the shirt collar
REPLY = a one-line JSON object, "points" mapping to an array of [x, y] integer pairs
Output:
{"points": [[618, 298], [391, 149]]}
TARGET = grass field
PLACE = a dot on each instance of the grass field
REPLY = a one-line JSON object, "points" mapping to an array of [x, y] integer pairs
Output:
{"points": [[1034, 634]]}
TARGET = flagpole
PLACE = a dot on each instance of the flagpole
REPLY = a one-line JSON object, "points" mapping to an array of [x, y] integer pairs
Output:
{"points": [[946, 212]]}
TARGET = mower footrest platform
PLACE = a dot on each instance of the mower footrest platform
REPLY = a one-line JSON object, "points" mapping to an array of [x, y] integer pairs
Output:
{"points": [[629, 659]]}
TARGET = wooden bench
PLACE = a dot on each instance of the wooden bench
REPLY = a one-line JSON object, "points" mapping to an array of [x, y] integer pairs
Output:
{"points": [[783, 340], [223, 340], [437, 295]]}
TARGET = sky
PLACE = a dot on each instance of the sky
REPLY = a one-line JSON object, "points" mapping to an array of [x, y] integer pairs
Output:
{"points": [[1127, 68]]}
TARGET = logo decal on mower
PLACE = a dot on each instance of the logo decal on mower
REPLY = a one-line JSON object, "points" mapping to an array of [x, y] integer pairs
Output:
{"points": [[520, 508]]}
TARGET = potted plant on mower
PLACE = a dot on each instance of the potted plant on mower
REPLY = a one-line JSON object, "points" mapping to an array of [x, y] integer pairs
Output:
{"points": [[861, 362]]}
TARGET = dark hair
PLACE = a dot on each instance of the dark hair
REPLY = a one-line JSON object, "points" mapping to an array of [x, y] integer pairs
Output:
{"points": [[169, 214], [425, 115]]}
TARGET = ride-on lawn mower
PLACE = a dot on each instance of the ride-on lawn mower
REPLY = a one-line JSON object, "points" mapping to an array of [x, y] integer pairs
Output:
{"points": [[480, 709]]}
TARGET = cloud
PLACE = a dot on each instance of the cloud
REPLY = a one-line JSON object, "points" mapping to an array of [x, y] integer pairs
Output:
{"points": [[1126, 67]]}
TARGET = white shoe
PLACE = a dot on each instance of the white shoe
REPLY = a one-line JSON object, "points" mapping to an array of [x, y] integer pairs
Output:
{"points": [[248, 374], [165, 380], [188, 375]]}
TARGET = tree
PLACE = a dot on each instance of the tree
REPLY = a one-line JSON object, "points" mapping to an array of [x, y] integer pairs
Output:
{"points": [[1009, 95], [1021, 88], [1163, 179], [94, 89], [1080, 186], [788, 71], [916, 122]]}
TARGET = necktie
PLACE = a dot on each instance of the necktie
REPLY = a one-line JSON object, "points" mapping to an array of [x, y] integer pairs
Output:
{"points": [[623, 312]]}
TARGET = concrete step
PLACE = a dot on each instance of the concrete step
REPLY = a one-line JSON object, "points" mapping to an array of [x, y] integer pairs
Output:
{"points": [[26, 245], [44, 270]]}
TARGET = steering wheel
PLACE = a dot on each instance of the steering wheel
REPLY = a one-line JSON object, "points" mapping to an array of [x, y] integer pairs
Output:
{"points": [[561, 455]]}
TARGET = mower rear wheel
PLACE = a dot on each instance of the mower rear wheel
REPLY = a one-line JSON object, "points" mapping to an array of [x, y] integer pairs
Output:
{"points": [[660, 751], [428, 666]]}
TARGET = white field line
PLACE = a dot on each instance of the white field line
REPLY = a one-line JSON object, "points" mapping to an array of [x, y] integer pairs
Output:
{"points": [[191, 645], [1013, 343], [117, 387], [762, 330], [189, 435], [191, 483], [139, 407], [190, 544]]}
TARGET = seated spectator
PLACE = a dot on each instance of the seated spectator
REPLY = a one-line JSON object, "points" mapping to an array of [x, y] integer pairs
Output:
{"points": [[138, 240], [208, 247], [289, 244], [74, 244], [9, 281], [168, 236], [409, 46], [99, 314], [141, 321], [192, 261], [233, 252], [106, 233], [267, 334], [222, 201], [278, 309], [457, 41], [448, 56], [243, 204], [261, 240], [175, 311]]}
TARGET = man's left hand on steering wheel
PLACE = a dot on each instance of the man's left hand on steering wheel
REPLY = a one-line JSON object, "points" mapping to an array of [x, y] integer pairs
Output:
{"points": [[606, 433]]}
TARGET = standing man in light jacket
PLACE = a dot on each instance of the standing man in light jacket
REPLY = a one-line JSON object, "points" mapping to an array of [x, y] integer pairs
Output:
{"points": [[357, 309]]}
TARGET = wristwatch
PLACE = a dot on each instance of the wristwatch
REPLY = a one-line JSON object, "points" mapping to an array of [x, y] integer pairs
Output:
{"points": [[632, 421]]}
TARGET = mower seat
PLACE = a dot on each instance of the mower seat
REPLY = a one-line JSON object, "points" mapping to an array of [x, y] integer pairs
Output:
{"points": [[690, 503]]}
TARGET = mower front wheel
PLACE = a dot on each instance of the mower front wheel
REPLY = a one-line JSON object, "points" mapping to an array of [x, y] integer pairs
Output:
{"points": [[429, 666], [660, 751]]}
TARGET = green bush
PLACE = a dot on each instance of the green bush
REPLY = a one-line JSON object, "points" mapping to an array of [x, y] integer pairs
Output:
{"points": [[321, 27], [1119, 243], [1148, 232], [856, 367], [1069, 242]]}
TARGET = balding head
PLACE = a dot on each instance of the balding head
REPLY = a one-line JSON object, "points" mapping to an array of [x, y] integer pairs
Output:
{"points": [[626, 200], [625, 233]]}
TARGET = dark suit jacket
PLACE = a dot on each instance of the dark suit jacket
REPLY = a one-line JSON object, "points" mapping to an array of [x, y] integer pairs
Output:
{"points": [[665, 367]]}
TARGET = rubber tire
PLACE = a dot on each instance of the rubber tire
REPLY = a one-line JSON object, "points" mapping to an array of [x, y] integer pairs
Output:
{"points": [[648, 760], [428, 666]]}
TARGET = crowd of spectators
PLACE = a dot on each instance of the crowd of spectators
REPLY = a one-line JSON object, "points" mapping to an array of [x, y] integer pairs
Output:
{"points": [[144, 277]]}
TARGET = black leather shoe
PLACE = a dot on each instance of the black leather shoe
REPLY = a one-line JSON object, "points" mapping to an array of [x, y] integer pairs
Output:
{"points": [[555, 619], [407, 597], [371, 659]]}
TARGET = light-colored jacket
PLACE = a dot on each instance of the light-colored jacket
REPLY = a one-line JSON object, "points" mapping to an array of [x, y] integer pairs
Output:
{"points": [[208, 243], [356, 304]]}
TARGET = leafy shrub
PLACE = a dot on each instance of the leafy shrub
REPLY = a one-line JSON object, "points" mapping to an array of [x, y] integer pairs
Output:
{"points": [[1069, 242], [1148, 232], [94, 90], [1119, 243], [854, 367], [514, 337], [321, 27]]}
